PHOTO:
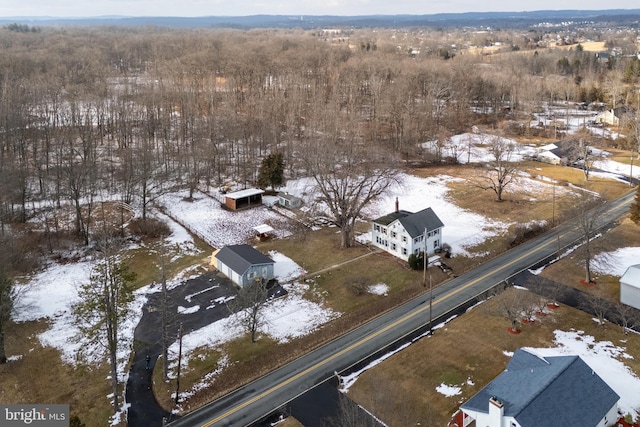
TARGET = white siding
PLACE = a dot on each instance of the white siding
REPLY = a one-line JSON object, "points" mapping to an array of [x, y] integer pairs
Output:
{"points": [[630, 295], [395, 240]]}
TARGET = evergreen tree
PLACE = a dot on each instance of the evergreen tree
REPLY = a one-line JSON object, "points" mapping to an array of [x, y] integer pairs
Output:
{"points": [[635, 208], [272, 171], [103, 306]]}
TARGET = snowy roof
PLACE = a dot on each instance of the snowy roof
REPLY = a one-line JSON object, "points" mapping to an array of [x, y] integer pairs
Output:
{"points": [[631, 277], [244, 193], [288, 196], [240, 258], [547, 392], [548, 147], [263, 228]]}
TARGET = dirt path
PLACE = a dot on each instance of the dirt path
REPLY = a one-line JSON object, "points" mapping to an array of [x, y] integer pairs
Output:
{"points": [[333, 267]]}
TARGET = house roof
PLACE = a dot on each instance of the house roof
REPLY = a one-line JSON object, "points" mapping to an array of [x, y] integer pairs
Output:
{"points": [[244, 193], [547, 392], [288, 196], [632, 276], [548, 147], [417, 222], [389, 218], [414, 223], [568, 148], [240, 258]]}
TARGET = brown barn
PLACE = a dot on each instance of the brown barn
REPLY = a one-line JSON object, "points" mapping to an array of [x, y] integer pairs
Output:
{"points": [[248, 198]]}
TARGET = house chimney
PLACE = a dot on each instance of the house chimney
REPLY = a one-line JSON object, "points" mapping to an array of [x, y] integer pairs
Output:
{"points": [[397, 205], [496, 411]]}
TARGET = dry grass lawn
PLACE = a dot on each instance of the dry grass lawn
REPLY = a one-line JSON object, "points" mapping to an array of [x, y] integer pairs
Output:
{"points": [[570, 270], [468, 352], [40, 377], [586, 46]]}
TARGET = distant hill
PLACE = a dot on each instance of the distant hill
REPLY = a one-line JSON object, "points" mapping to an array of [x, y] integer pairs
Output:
{"points": [[629, 17]]}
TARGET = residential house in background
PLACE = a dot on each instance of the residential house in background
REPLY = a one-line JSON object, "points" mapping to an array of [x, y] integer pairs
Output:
{"points": [[536, 391], [559, 153], [243, 264], [612, 117], [630, 287], [402, 233]]}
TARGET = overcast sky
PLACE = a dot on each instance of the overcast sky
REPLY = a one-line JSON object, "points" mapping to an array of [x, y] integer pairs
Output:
{"points": [[88, 8]]}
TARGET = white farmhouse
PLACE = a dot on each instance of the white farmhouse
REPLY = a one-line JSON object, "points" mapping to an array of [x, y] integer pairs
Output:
{"points": [[402, 233]]}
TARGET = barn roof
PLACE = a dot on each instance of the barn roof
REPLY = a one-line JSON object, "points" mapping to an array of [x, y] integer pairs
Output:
{"points": [[244, 193]]}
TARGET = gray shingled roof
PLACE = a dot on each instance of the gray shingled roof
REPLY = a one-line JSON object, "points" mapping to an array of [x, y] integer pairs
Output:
{"points": [[414, 223], [389, 218], [241, 257], [547, 392]]}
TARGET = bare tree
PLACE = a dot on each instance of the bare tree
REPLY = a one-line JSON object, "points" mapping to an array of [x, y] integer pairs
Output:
{"points": [[516, 305], [351, 415], [7, 298], [249, 305], [588, 157], [348, 177], [627, 316], [589, 210], [597, 306], [501, 169], [104, 304]]}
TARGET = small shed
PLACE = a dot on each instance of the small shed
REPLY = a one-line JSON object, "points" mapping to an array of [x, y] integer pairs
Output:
{"points": [[289, 201], [244, 264], [242, 199], [263, 231], [630, 287]]}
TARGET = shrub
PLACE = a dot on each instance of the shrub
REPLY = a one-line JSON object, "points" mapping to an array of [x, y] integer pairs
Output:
{"points": [[149, 227], [359, 285], [416, 262]]}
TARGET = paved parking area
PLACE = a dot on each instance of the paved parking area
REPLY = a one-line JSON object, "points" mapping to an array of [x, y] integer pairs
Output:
{"points": [[194, 304]]}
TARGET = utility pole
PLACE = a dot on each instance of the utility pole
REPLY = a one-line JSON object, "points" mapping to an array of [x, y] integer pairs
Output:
{"points": [[179, 362], [165, 323], [424, 278], [631, 171], [553, 207], [424, 260], [430, 305]]}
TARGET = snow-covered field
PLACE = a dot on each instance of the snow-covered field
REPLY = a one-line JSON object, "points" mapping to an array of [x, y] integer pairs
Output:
{"points": [[219, 227]]}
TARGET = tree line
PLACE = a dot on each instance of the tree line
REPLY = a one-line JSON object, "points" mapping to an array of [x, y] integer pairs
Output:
{"points": [[88, 114]]}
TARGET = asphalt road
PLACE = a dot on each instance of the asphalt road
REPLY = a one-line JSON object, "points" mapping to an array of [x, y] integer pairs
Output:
{"points": [[252, 402]]}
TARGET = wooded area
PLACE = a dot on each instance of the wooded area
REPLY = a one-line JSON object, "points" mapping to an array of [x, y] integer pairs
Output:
{"points": [[93, 114]]}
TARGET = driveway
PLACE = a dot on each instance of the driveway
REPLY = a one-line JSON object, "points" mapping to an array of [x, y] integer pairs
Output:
{"points": [[201, 301]]}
